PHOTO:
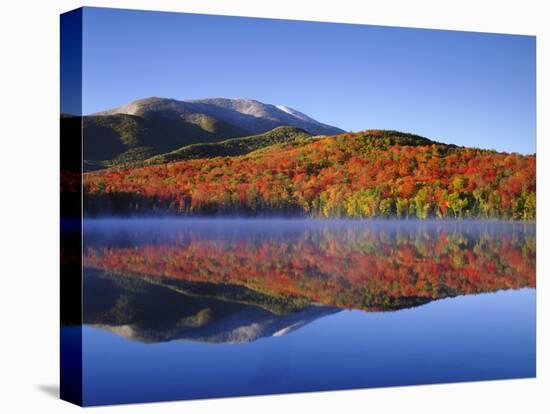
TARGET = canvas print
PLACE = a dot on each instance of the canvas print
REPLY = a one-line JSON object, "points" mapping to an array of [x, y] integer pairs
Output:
{"points": [[258, 206]]}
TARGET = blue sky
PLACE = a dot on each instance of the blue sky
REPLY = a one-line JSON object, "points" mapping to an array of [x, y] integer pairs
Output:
{"points": [[464, 88]]}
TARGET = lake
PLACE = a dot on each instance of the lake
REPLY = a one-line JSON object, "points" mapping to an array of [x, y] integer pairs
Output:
{"points": [[198, 308]]}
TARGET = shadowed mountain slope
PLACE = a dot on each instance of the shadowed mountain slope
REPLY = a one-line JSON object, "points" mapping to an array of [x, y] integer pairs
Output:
{"points": [[234, 146]]}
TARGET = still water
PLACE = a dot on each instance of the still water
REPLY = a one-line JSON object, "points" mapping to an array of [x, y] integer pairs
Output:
{"points": [[180, 309]]}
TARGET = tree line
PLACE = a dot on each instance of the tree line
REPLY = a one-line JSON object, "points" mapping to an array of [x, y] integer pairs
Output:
{"points": [[362, 175]]}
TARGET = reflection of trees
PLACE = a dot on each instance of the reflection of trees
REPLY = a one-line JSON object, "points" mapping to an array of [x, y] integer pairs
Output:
{"points": [[366, 268]]}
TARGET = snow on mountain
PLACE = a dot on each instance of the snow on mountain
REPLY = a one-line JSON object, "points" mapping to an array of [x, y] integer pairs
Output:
{"points": [[251, 115]]}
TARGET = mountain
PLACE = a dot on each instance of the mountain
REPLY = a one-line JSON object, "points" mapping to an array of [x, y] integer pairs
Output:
{"points": [[249, 115], [234, 146], [152, 126], [368, 174]]}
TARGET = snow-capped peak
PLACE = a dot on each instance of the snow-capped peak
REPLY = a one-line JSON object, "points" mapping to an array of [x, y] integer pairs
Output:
{"points": [[295, 113]]}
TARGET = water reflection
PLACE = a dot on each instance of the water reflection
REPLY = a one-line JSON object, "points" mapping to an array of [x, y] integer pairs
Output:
{"points": [[240, 280]]}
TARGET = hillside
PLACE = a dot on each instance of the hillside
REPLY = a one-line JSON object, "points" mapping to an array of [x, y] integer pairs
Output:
{"points": [[368, 174], [233, 147], [121, 138]]}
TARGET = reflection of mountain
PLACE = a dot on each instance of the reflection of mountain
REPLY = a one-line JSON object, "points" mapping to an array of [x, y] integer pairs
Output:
{"points": [[365, 268], [152, 312], [240, 280]]}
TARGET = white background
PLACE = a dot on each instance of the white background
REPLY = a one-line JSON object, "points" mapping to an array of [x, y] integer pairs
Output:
{"points": [[29, 163]]}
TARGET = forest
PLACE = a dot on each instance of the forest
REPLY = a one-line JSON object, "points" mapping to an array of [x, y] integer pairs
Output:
{"points": [[374, 173]]}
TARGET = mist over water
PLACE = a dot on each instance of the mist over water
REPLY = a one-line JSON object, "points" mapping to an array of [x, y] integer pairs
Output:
{"points": [[145, 230]]}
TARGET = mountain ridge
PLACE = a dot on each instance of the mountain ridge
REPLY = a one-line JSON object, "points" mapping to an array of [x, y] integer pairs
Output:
{"points": [[230, 110], [152, 126]]}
